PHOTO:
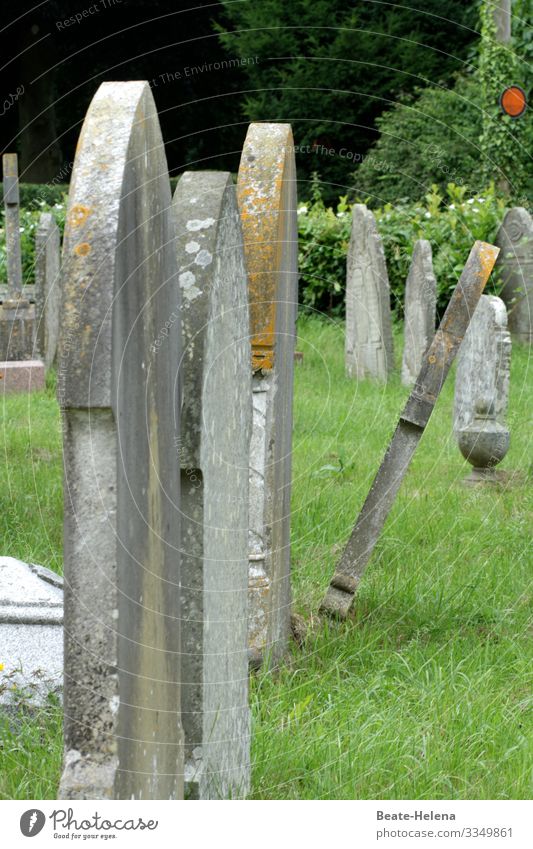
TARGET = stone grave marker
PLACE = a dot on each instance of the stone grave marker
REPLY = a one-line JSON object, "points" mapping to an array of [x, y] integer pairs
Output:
{"points": [[515, 240], [31, 632], [47, 287], [214, 455], [266, 189], [369, 348], [483, 363], [17, 315], [420, 311], [119, 396]]}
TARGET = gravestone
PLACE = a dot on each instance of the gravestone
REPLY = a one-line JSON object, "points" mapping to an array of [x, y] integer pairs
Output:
{"points": [[515, 240], [266, 190], [369, 347], [420, 311], [483, 364], [47, 287], [213, 455], [31, 632], [17, 315], [120, 403]]}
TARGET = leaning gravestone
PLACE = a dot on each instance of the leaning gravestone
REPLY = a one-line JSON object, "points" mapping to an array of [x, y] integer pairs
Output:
{"points": [[213, 454], [369, 347], [120, 404], [31, 633], [47, 287], [420, 311], [483, 364], [266, 191], [515, 239]]}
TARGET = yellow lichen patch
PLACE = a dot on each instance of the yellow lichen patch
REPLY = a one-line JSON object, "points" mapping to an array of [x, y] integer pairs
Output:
{"points": [[78, 215], [488, 255], [82, 249]]}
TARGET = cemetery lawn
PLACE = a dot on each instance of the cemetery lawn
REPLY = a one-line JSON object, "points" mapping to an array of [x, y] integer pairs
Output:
{"points": [[426, 692]]}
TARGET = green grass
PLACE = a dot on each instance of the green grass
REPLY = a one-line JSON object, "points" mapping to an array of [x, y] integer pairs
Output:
{"points": [[426, 692]]}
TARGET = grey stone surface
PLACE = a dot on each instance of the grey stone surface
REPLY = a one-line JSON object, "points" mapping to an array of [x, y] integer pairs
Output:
{"points": [[17, 317], [483, 363], [213, 456], [420, 311], [120, 402], [47, 287], [369, 347], [515, 239], [266, 189], [31, 632]]}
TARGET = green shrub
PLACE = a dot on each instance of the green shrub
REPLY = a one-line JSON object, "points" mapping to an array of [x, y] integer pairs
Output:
{"points": [[34, 195], [451, 224]]}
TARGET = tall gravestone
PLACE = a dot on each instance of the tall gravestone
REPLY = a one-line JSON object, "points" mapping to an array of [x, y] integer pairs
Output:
{"points": [[515, 240], [120, 403], [213, 454], [47, 287], [483, 363], [369, 348], [266, 189], [17, 315], [420, 311]]}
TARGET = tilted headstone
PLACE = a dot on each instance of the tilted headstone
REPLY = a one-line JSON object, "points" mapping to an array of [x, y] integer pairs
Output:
{"points": [[17, 315], [369, 348], [47, 287], [31, 632], [119, 395], [213, 455], [483, 363], [515, 240], [420, 311], [266, 189]]}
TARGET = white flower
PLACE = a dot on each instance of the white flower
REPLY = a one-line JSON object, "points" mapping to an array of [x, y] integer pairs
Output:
{"points": [[341, 214], [302, 210], [428, 214], [470, 200], [476, 209], [481, 200], [451, 206]]}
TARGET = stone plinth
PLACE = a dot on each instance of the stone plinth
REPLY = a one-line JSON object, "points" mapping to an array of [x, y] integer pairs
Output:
{"points": [[24, 376]]}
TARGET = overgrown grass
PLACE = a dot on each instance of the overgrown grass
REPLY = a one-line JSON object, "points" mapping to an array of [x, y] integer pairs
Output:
{"points": [[426, 692]]}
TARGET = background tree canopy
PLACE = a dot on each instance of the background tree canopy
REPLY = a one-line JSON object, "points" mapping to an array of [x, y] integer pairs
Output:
{"points": [[410, 85]]}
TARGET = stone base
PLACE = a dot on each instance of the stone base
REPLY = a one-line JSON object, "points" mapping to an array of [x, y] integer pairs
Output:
{"points": [[482, 476], [23, 376], [31, 632], [17, 330]]}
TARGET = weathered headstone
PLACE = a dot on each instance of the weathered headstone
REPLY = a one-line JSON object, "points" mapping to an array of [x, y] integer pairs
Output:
{"points": [[369, 348], [213, 456], [31, 632], [515, 240], [483, 363], [47, 287], [413, 420], [266, 189], [420, 311], [120, 402], [17, 315]]}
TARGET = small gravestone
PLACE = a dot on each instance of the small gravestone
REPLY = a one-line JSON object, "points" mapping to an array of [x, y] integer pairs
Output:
{"points": [[31, 633], [420, 311], [213, 455], [515, 240], [119, 396], [369, 347], [17, 315], [266, 189], [483, 364], [47, 287]]}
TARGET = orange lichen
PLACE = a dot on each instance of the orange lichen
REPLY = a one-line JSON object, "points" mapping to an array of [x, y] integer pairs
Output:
{"points": [[82, 249], [78, 214]]}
